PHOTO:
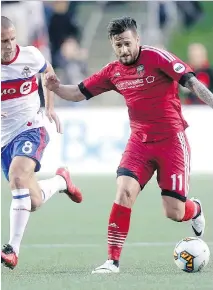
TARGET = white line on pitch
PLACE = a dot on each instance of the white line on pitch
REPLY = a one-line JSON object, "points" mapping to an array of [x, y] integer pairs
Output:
{"points": [[139, 244]]}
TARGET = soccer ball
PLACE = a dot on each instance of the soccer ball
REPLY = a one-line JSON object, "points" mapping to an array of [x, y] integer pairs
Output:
{"points": [[191, 255]]}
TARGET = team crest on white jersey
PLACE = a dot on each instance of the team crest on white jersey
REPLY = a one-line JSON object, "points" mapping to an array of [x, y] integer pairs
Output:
{"points": [[26, 72]]}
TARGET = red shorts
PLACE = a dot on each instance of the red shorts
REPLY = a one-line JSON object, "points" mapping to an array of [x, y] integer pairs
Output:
{"points": [[169, 157]]}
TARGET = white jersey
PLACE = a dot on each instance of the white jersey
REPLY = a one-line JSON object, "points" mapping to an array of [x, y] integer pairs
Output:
{"points": [[19, 93]]}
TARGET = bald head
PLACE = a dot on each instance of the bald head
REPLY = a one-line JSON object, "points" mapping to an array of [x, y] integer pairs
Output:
{"points": [[8, 39], [6, 23]]}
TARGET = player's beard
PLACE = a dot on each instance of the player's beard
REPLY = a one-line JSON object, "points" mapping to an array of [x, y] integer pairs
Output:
{"points": [[8, 56], [126, 60], [129, 59]]}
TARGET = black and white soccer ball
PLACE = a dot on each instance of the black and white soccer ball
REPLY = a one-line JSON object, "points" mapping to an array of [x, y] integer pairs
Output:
{"points": [[191, 254]]}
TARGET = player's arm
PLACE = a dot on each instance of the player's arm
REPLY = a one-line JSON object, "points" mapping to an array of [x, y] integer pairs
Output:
{"points": [[43, 67], [48, 95], [49, 99], [179, 71], [66, 92], [70, 93], [199, 89], [94, 85]]}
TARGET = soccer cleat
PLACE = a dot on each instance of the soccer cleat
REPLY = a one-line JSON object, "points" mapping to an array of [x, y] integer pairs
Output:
{"points": [[72, 191], [107, 268], [8, 257], [198, 223]]}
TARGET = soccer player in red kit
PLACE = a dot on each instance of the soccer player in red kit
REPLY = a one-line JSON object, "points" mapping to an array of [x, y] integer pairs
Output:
{"points": [[148, 79]]}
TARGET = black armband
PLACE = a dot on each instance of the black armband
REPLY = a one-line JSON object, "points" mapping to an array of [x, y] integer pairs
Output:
{"points": [[85, 91], [185, 78]]}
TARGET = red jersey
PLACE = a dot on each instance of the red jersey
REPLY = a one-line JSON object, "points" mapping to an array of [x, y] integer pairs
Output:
{"points": [[150, 89]]}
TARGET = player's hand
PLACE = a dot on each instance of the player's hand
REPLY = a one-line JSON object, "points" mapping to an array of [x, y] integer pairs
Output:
{"points": [[3, 114], [51, 81], [53, 117]]}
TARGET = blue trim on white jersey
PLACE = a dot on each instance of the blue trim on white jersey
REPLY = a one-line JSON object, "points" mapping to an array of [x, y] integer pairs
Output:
{"points": [[20, 79], [43, 68]]}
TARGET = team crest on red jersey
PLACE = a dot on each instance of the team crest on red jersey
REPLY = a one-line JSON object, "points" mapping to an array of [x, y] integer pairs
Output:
{"points": [[26, 72], [140, 70]]}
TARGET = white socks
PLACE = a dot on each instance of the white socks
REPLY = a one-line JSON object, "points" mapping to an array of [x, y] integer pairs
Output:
{"points": [[21, 207], [50, 186], [19, 216]]}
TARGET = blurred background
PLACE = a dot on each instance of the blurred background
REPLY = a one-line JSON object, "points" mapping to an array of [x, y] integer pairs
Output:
{"points": [[65, 241], [72, 35]]}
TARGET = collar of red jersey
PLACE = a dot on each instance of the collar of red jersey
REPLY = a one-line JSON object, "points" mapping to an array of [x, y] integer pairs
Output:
{"points": [[15, 57]]}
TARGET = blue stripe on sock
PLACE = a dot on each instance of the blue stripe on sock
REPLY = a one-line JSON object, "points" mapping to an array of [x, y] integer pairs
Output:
{"points": [[21, 196]]}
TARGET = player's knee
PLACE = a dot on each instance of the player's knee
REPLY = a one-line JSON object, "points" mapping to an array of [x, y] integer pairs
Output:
{"points": [[125, 197], [17, 181], [128, 189], [19, 178]]}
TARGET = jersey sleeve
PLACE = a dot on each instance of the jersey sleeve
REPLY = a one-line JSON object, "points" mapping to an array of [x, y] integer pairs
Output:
{"points": [[97, 84], [172, 66], [40, 62]]}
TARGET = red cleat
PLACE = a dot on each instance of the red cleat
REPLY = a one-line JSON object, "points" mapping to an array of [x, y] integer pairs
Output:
{"points": [[8, 257], [72, 191]]}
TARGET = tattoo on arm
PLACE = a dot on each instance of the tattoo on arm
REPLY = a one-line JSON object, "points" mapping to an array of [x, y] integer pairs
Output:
{"points": [[200, 90]]}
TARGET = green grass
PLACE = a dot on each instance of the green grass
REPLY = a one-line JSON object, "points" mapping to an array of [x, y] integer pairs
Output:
{"points": [[77, 226]]}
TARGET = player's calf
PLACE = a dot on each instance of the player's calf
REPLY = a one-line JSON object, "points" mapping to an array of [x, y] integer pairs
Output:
{"points": [[174, 208], [180, 210], [119, 222]]}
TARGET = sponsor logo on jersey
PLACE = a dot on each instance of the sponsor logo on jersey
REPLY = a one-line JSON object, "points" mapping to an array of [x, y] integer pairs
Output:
{"points": [[9, 91], [131, 84], [179, 68], [18, 88], [24, 89]]}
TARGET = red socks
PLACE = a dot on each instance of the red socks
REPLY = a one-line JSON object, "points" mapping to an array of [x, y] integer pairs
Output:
{"points": [[119, 222], [118, 229], [192, 209]]}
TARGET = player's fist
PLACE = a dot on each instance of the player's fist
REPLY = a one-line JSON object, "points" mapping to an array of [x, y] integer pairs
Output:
{"points": [[51, 81]]}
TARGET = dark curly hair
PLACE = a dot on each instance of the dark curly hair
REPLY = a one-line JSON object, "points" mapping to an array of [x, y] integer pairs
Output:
{"points": [[119, 25]]}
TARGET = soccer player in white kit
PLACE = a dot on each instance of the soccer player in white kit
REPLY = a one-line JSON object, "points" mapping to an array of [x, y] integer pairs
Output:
{"points": [[24, 137]]}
